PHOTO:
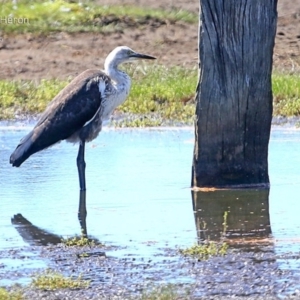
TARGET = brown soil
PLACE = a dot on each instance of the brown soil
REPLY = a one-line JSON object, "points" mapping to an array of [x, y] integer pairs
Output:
{"points": [[62, 55]]}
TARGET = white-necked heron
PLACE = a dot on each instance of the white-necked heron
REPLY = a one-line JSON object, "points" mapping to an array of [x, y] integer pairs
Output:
{"points": [[77, 112]]}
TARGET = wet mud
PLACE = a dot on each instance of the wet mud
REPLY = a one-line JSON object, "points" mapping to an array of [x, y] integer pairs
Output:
{"points": [[253, 272]]}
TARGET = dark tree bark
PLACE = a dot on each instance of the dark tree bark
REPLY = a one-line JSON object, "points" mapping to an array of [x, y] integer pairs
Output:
{"points": [[234, 96]]}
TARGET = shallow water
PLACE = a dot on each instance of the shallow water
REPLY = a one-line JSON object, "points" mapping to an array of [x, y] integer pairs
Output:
{"points": [[138, 194], [130, 186]]}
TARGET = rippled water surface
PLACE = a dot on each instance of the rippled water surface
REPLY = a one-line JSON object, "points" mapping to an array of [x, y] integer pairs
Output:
{"points": [[138, 192], [137, 187]]}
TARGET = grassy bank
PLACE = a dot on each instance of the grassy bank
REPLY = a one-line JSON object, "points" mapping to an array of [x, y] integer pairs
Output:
{"points": [[158, 94], [286, 95], [82, 16]]}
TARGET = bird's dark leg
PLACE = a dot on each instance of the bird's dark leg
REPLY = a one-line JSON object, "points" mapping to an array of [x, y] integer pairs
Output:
{"points": [[81, 165]]}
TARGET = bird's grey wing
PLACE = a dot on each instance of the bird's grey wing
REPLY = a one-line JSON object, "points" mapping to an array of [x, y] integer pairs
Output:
{"points": [[75, 105]]}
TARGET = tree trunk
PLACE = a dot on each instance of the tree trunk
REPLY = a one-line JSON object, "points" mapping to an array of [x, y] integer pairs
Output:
{"points": [[234, 96]]}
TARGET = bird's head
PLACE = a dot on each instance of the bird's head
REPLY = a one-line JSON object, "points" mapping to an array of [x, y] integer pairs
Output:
{"points": [[123, 54]]}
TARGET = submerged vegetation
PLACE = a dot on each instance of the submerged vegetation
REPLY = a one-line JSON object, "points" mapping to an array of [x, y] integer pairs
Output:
{"points": [[82, 16], [158, 95]]}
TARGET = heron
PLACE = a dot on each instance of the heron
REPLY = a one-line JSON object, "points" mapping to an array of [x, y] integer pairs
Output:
{"points": [[77, 112]]}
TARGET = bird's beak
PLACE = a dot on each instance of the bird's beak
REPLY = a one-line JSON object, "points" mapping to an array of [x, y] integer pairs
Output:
{"points": [[142, 56]]}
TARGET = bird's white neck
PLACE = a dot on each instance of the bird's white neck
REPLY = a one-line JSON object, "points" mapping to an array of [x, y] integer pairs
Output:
{"points": [[116, 75], [112, 71], [121, 84]]}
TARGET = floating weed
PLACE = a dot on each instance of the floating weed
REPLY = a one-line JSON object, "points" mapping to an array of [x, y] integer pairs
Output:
{"points": [[51, 280], [10, 295]]}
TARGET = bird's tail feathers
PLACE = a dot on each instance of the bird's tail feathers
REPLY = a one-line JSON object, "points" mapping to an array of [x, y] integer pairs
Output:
{"points": [[22, 152]]}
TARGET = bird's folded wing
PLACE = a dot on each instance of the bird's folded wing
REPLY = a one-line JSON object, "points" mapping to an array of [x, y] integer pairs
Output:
{"points": [[75, 105]]}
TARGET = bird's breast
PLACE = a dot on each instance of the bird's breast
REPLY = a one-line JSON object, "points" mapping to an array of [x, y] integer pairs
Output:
{"points": [[114, 98]]}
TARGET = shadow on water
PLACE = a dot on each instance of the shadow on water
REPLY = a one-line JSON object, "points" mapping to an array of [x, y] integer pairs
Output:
{"points": [[246, 212], [36, 236]]}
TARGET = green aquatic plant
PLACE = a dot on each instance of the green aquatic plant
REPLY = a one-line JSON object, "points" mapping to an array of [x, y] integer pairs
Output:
{"points": [[208, 248], [205, 250], [10, 295], [80, 241], [51, 280]]}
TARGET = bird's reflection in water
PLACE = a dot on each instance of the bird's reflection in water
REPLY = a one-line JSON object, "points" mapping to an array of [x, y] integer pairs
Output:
{"points": [[82, 213], [32, 234], [36, 236], [247, 215]]}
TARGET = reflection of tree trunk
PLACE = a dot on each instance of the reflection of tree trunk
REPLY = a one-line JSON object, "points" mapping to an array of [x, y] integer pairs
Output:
{"points": [[234, 96], [248, 213]]}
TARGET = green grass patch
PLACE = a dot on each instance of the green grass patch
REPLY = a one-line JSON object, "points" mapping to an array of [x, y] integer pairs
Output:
{"points": [[158, 94], [27, 97], [76, 16], [51, 280], [286, 92], [13, 295]]}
